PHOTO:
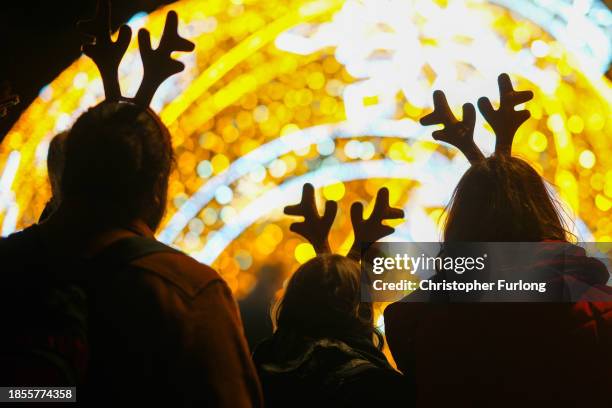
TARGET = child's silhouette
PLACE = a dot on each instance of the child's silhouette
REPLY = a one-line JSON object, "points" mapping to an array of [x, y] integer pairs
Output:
{"points": [[323, 351]]}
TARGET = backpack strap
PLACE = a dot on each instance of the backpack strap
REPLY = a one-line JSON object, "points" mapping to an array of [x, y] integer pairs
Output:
{"points": [[129, 249]]}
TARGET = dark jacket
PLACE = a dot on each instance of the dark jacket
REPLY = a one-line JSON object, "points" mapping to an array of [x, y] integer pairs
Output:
{"points": [[164, 329], [556, 354], [297, 371]]}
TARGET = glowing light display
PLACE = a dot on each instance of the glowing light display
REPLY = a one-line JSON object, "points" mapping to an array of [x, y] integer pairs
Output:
{"points": [[279, 93]]}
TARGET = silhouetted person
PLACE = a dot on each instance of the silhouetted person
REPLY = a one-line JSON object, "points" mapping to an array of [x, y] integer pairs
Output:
{"points": [[55, 168], [325, 350], [89, 297], [254, 308], [504, 354], [160, 322]]}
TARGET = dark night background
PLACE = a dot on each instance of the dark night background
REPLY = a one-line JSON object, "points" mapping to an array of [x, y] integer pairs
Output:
{"points": [[39, 40]]}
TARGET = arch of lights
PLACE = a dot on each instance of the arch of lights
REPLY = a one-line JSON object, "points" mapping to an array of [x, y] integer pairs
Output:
{"points": [[329, 92]]}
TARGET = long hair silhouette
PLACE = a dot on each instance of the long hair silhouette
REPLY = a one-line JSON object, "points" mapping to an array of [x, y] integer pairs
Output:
{"points": [[503, 199], [322, 299]]}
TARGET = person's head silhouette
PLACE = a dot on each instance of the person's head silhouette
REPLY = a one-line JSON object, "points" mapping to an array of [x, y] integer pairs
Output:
{"points": [[322, 299], [503, 199], [118, 158]]}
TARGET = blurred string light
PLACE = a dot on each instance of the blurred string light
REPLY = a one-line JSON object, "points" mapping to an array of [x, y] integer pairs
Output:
{"points": [[280, 93]]}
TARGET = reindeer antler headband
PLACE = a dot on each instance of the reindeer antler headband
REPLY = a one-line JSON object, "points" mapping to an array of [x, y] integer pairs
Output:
{"points": [[158, 64], [505, 121], [316, 228]]}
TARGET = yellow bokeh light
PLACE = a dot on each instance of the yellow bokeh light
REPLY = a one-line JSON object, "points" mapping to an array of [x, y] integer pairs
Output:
{"points": [[603, 202], [265, 101], [220, 162], [575, 124], [538, 142], [587, 159], [608, 185], [304, 252], [555, 123], [334, 191]]}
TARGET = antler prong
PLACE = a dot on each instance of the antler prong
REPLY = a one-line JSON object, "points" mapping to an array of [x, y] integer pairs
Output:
{"points": [[158, 64], [368, 231], [314, 228], [105, 53], [457, 133], [506, 120]]}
